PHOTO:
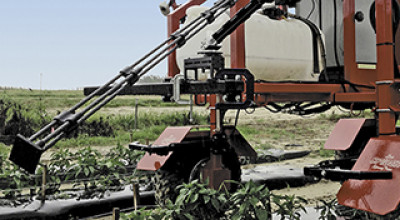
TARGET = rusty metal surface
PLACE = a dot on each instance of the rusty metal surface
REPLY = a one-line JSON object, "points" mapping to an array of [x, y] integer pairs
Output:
{"points": [[377, 196], [215, 172], [173, 22], [170, 135], [344, 134]]}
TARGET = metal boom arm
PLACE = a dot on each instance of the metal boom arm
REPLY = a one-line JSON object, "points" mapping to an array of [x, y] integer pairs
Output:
{"points": [[26, 152]]}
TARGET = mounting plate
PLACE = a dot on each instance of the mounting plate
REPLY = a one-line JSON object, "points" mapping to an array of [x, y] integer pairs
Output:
{"points": [[25, 154]]}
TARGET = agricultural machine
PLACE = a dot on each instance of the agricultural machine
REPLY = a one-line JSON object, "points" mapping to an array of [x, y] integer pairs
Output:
{"points": [[292, 56]]}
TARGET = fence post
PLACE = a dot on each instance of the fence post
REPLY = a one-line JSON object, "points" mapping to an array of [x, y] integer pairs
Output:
{"points": [[191, 120], [116, 213], [44, 175], [136, 112], [136, 196]]}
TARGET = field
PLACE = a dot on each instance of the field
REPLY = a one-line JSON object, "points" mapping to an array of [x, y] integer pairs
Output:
{"points": [[115, 125]]}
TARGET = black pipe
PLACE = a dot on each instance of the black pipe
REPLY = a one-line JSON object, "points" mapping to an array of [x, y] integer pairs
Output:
{"points": [[62, 209]]}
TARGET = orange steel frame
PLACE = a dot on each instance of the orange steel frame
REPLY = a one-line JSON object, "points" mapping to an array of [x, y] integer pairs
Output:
{"points": [[382, 77]]}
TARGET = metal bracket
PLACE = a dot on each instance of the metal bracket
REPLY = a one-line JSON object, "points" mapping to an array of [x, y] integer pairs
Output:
{"points": [[339, 170], [249, 88], [176, 82]]}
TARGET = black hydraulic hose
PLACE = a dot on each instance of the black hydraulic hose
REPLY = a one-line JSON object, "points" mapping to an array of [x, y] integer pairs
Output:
{"points": [[181, 38], [190, 34], [241, 16], [320, 14], [335, 33], [396, 21], [218, 5], [317, 38], [82, 102], [312, 9], [128, 68], [67, 124]]}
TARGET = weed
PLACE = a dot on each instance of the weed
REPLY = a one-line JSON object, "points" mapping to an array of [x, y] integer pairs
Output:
{"points": [[325, 153]]}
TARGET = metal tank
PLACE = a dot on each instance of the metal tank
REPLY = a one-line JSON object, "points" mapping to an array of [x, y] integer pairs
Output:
{"points": [[276, 50]]}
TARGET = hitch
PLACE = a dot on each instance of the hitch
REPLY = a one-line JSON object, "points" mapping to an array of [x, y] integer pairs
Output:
{"points": [[339, 170]]}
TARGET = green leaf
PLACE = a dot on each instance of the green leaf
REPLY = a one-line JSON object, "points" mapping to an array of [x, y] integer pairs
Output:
{"points": [[262, 214], [189, 216], [215, 203], [254, 201], [206, 199], [86, 170], [236, 217], [194, 198], [91, 169], [243, 208]]}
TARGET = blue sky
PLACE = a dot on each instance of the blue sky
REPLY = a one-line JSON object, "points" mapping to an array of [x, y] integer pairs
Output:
{"points": [[75, 43]]}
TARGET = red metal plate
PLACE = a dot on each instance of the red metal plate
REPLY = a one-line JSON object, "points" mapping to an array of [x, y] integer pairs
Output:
{"points": [[377, 196], [344, 133], [170, 135]]}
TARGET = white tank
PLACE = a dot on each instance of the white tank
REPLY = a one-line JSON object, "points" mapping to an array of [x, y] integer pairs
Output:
{"points": [[275, 50]]}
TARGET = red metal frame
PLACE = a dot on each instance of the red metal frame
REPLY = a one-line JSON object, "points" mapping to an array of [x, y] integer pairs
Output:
{"points": [[386, 98], [173, 21], [383, 74], [267, 92], [385, 66]]}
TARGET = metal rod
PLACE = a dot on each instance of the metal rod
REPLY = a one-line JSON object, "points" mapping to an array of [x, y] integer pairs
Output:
{"points": [[187, 32], [170, 47], [157, 61], [55, 133], [47, 127], [54, 141], [128, 68], [101, 104], [89, 97], [218, 5]]}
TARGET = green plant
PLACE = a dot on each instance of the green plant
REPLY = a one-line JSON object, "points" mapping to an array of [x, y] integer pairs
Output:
{"points": [[197, 201], [327, 209], [289, 206], [128, 156], [17, 179], [251, 201]]}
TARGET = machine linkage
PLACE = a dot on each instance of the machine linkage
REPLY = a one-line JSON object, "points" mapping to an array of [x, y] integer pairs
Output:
{"points": [[340, 170], [26, 152]]}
